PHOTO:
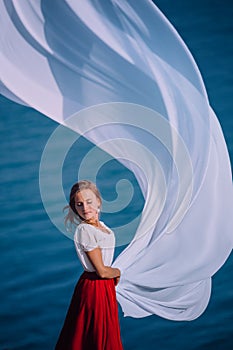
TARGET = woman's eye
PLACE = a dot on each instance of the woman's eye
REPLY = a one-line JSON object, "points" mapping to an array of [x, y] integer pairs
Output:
{"points": [[78, 204], [89, 202]]}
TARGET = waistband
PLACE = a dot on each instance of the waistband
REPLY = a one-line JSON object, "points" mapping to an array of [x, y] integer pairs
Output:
{"points": [[90, 276]]}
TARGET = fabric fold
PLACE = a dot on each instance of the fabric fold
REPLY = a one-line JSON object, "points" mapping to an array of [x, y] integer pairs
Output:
{"points": [[119, 74]]}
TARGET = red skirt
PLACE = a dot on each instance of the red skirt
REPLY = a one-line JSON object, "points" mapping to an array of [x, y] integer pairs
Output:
{"points": [[92, 320]]}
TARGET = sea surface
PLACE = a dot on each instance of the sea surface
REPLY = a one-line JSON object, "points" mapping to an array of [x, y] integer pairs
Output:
{"points": [[38, 264]]}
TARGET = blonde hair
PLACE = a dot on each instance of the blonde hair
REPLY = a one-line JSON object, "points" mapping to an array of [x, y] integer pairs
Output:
{"points": [[72, 218]]}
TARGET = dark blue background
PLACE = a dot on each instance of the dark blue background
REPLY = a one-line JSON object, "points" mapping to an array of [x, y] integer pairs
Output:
{"points": [[38, 264]]}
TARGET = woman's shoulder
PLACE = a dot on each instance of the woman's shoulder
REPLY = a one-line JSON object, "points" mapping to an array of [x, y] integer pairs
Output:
{"points": [[86, 227], [83, 227], [84, 233]]}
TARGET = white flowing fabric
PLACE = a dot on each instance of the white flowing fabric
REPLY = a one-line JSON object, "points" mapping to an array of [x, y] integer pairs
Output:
{"points": [[125, 58]]}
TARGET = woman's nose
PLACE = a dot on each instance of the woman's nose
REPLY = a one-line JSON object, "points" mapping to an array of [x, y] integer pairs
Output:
{"points": [[85, 206]]}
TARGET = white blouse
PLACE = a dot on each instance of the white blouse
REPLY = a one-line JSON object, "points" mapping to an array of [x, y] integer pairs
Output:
{"points": [[88, 237]]}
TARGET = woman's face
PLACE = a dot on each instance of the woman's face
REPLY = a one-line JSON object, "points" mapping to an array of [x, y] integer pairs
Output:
{"points": [[87, 204]]}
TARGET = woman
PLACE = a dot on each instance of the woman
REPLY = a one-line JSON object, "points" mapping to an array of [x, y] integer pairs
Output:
{"points": [[92, 318]]}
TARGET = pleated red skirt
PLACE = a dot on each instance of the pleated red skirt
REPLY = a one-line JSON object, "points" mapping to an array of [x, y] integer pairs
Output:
{"points": [[92, 320]]}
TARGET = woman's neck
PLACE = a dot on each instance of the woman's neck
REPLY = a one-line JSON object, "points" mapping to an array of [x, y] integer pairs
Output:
{"points": [[93, 221], [96, 223]]}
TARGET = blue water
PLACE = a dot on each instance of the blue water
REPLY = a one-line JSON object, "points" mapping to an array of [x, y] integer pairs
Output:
{"points": [[38, 264]]}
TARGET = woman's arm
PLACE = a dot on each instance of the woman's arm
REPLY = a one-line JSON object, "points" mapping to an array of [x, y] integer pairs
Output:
{"points": [[103, 271]]}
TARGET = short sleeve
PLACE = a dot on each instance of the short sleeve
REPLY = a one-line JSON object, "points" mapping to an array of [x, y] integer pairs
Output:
{"points": [[86, 238]]}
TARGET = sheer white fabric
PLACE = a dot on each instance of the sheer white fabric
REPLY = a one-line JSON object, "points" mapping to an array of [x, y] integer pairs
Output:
{"points": [[60, 57]]}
